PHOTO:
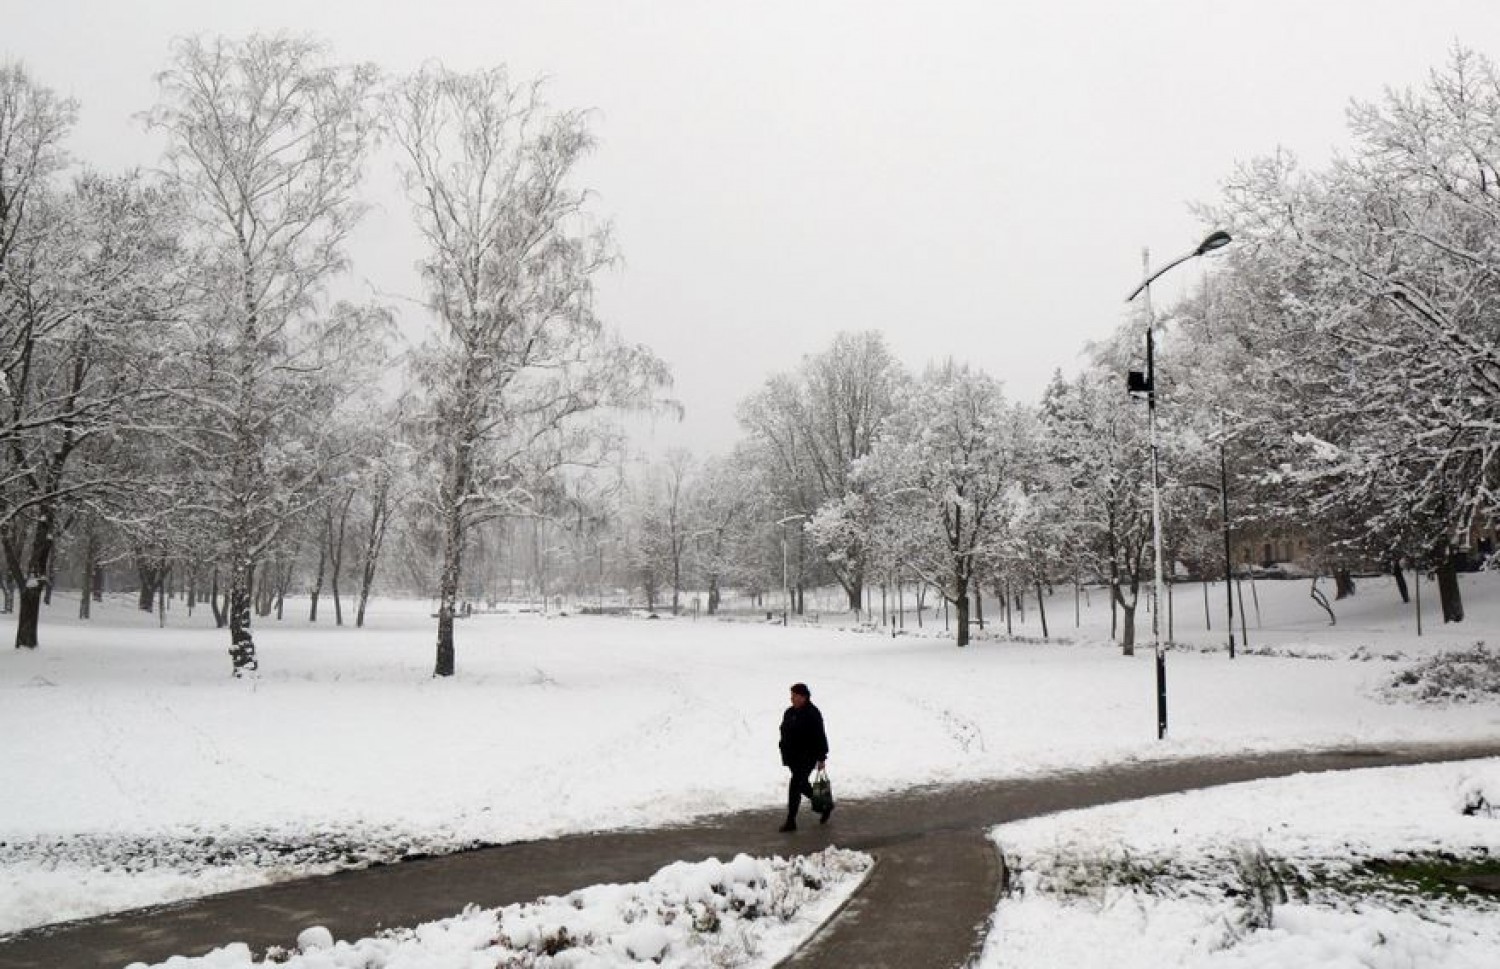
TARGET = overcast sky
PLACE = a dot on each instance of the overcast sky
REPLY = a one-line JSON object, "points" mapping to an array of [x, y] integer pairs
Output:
{"points": [[972, 179]]}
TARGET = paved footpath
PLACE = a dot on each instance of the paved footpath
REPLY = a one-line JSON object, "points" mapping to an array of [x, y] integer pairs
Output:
{"points": [[925, 904]]}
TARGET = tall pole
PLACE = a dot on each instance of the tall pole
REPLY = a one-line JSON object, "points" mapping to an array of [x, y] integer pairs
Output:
{"points": [[1156, 588], [1224, 516], [1214, 240]]}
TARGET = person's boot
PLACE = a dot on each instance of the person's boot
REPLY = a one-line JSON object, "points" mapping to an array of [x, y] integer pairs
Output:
{"points": [[823, 815], [790, 824]]}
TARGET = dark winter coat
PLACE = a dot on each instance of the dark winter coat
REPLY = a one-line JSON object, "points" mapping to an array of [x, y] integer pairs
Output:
{"points": [[803, 742]]}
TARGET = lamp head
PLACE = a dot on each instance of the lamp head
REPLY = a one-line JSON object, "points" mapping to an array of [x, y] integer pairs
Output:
{"points": [[1217, 239]]}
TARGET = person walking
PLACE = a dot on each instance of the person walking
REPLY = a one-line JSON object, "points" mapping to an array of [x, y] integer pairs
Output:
{"points": [[804, 747]]}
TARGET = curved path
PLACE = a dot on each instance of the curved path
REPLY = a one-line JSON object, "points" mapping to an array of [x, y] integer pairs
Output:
{"points": [[925, 903]]}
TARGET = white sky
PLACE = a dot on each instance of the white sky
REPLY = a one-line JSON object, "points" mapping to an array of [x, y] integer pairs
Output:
{"points": [[973, 179]]}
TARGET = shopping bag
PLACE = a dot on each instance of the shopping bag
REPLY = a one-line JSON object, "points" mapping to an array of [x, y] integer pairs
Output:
{"points": [[822, 793]]}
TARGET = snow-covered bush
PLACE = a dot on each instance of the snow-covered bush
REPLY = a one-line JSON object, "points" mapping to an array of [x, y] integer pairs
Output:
{"points": [[1479, 793], [708, 913], [1457, 676]]}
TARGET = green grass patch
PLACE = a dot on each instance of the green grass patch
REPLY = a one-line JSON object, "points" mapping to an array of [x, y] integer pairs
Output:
{"points": [[1437, 876]]}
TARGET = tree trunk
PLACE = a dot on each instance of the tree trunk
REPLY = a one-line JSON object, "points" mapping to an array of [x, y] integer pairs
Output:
{"points": [[448, 595], [86, 594], [1127, 623], [1343, 584], [145, 595], [374, 539], [34, 581], [1400, 578], [28, 619], [338, 606], [1449, 594], [265, 592], [220, 614], [961, 610], [455, 488], [241, 588], [1322, 600], [89, 571], [713, 595], [149, 573], [317, 589], [246, 468], [1041, 608], [336, 553], [283, 581], [856, 595], [1127, 610]]}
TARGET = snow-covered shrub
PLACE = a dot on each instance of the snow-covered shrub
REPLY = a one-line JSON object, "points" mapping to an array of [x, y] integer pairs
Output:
{"points": [[687, 916], [1251, 880], [1457, 676], [314, 937], [1478, 794], [1092, 878], [1261, 887]]}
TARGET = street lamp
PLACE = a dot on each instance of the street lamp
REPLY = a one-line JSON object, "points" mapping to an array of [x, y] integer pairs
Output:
{"points": [[786, 591], [1145, 384]]}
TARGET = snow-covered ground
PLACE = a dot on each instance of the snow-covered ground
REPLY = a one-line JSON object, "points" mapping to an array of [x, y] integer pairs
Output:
{"points": [[1310, 871], [138, 771]]}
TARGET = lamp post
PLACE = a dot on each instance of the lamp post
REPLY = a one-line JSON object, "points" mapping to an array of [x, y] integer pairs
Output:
{"points": [[1139, 383], [786, 592]]}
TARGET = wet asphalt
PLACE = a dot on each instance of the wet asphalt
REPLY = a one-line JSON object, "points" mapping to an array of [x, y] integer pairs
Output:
{"points": [[925, 904]]}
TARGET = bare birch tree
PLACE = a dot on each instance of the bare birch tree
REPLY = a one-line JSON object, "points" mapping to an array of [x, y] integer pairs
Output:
{"points": [[266, 141], [520, 361]]}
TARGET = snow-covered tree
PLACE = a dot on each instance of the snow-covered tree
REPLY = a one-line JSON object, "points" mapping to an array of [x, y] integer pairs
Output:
{"points": [[520, 362], [1379, 290], [814, 423], [724, 508], [940, 472], [382, 480], [1096, 438], [265, 142], [86, 347]]}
